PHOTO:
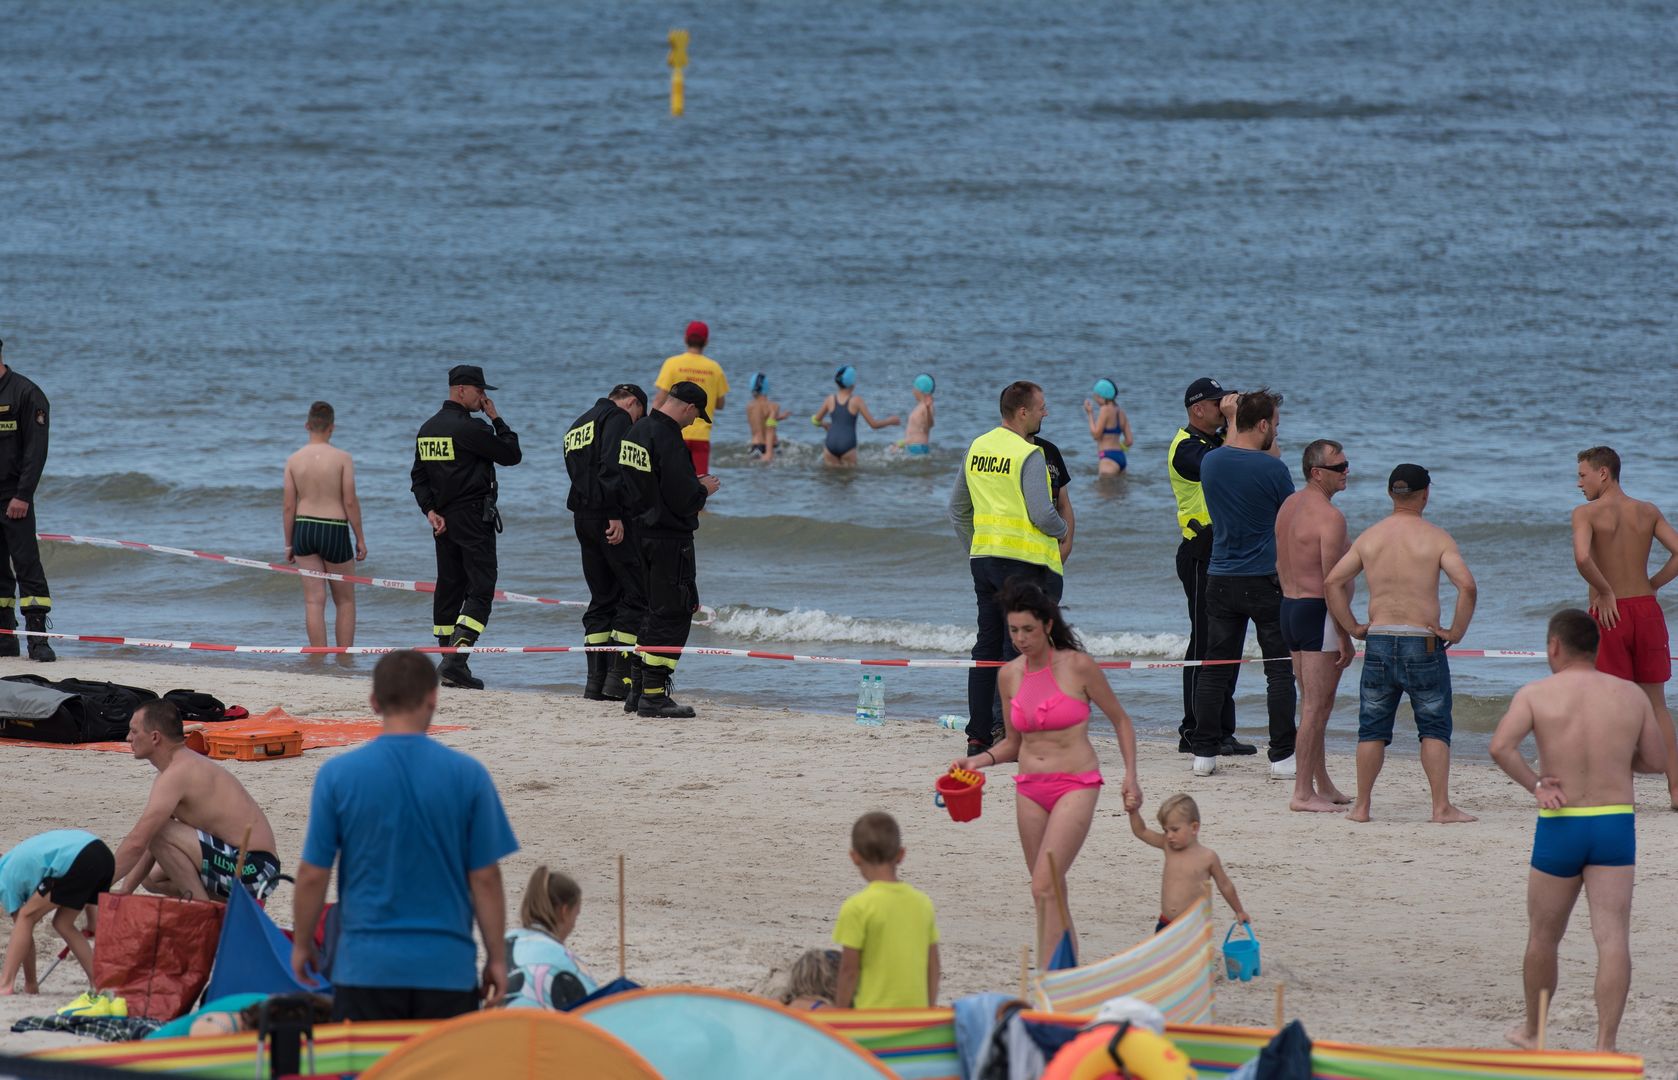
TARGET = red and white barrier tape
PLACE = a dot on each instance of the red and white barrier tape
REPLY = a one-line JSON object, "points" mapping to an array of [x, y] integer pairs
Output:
{"points": [[298, 571], [663, 650]]}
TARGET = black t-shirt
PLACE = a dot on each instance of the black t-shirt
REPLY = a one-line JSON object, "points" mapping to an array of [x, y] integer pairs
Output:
{"points": [[1058, 476]]}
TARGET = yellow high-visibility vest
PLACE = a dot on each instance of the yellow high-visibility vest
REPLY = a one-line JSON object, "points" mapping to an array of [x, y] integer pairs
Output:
{"points": [[1191, 500], [1001, 526]]}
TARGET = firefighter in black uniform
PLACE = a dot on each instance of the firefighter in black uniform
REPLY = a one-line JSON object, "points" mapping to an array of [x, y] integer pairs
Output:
{"points": [[600, 504], [656, 462], [23, 454], [454, 483]]}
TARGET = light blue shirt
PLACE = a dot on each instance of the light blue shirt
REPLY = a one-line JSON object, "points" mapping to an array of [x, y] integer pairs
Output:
{"points": [[406, 819], [50, 854]]}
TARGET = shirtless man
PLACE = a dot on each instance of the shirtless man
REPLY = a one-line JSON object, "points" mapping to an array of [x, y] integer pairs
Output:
{"points": [[1310, 540], [186, 842], [1405, 651], [1593, 731], [764, 416], [1612, 536], [320, 509]]}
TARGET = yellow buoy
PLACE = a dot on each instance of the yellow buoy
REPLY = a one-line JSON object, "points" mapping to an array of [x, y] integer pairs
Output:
{"points": [[677, 59]]}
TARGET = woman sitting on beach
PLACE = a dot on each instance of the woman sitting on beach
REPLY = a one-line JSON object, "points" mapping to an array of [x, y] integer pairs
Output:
{"points": [[541, 972], [1047, 692]]}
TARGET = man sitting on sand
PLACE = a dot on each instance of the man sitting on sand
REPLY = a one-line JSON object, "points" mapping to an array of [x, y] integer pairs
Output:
{"points": [[187, 840], [1612, 537], [1593, 732], [320, 508], [1402, 557]]}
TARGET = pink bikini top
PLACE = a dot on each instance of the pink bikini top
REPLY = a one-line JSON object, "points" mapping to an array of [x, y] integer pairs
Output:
{"points": [[1041, 705]]}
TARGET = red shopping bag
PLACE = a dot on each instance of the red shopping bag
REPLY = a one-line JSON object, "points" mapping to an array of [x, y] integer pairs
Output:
{"points": [[156, 951]]}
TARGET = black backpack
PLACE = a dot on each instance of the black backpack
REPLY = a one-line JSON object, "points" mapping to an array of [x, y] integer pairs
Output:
{"points": [[197, 708], [90, 711]]}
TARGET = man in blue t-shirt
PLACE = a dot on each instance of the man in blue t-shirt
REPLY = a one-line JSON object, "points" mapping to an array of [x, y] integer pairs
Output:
{"points": [[418, 833], [1245, 484]]}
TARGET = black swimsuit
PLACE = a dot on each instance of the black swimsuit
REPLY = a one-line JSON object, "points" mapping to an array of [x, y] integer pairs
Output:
{"points": [[326, 537]]}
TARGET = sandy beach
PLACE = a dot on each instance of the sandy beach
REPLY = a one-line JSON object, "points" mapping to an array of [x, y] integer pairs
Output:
{"points": [[735, 828]]}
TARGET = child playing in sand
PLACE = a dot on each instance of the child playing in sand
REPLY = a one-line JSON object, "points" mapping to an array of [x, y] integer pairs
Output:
{"points": [[764, 416], [1187, 862], [917, 434], [541, 972], [813, 981], [887, 933], [61, 872]]}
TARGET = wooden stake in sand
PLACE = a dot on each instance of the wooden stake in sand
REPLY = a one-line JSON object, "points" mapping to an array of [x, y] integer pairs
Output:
{"points": [[1281, 1012], [1025, 972], [1543, 1016], [623, 962]]}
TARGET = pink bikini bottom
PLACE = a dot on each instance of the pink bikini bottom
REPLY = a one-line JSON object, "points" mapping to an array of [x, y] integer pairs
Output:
{"points": [[1046, 788]]}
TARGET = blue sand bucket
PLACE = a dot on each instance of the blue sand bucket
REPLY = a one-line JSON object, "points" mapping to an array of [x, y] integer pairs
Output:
{"points": [[1241, 958]]}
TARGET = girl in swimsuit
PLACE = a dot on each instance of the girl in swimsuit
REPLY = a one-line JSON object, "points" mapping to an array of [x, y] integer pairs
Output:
{"points": [[1047, 692], [844, 406], [1109, 427]]}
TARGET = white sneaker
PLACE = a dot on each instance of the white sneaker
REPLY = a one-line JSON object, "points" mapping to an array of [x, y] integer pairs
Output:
{"points": [[1282, 770], [1206, 766]]}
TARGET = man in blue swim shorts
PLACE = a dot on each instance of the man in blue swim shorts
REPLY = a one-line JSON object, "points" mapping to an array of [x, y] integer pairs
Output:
{"points": [[1594, 731]]}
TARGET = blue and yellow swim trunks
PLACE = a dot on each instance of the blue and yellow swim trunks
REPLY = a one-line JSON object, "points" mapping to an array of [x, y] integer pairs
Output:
{"points": [[1574, 837]]}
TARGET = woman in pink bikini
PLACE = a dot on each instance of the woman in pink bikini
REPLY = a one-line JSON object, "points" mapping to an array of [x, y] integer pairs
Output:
{"points": [[1046, 693]]}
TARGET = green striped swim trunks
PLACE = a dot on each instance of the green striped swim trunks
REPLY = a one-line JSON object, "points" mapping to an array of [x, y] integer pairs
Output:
{"points": [[326, 537]]}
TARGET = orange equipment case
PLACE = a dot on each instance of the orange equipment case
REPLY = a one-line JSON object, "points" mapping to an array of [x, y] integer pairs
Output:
{"points": [[258, 744]]}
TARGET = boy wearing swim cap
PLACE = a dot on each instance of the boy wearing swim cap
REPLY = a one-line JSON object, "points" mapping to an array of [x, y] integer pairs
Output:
{"points": [[765, 417], [917, 434]]}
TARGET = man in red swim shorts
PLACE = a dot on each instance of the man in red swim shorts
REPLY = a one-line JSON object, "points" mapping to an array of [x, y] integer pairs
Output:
{"points": [[1613, 534]]}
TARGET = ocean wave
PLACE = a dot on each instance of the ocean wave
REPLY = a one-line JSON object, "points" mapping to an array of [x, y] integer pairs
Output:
{"points": [[813, 625], [1343, 108], [144, 489]]}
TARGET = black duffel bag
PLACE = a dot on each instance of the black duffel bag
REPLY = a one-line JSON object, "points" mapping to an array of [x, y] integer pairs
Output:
{"points": [[67, 710]]}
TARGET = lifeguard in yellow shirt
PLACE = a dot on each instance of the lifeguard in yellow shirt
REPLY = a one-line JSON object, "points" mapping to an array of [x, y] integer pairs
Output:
{"points": [[695, 367]]}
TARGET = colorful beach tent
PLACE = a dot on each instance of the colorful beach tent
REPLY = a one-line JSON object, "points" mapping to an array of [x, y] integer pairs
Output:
{"points": [[693, 1034], [511, 1043], [1171, 971], [340, 1049], [254, 956]]}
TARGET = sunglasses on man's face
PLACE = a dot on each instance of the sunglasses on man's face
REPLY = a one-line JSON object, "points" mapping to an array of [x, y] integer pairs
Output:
{"points": [[1340, 468]]}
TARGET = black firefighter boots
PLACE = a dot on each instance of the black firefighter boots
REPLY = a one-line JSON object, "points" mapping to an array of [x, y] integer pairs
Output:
{"points": [[40, 650], [453, 671], [599, 666]]}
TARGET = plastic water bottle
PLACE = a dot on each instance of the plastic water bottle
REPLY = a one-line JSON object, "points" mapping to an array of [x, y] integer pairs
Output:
{"points": [[952, 722], [865, 712], [879, 701]]}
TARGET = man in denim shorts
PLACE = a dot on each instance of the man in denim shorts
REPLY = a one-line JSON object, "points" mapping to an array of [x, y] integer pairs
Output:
{"points": [[1402, 558]]}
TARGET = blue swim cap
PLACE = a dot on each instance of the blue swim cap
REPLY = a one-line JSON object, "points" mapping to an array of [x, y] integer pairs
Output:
{"points": [[845, 377], [924, 383], [1105, 389], [760, 383]]}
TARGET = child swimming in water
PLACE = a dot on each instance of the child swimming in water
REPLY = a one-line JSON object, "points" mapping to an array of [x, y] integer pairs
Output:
{"points": [[765, 417], [1109, 427], [917, 434]]}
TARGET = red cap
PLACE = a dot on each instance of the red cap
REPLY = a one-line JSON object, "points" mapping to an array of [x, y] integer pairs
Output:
{"points": [[698, 333]]}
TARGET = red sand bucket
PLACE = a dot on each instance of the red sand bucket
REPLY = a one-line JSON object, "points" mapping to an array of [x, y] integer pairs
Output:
{"points": [[962, 799]]}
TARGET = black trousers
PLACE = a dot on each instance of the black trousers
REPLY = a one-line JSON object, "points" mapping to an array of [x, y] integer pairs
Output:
{"points": [[368, 1003], [466, 572], [1230, 603], [1193, 557], [617, 600], [990, 576], [20, 563], [672, 594]]}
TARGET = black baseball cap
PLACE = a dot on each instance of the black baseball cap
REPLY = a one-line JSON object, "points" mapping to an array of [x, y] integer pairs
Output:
{"points": [[632, 390], [469, 375], [1408, 479], [1203, 390], [693, 394]]}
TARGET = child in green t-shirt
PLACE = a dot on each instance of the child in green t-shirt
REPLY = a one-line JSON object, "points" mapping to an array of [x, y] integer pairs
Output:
{"points": [[887, 933]]}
